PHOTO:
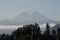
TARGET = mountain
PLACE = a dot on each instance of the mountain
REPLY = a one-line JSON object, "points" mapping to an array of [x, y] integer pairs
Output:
{"points": [[28, 18], [31, 17], [55, 27]]}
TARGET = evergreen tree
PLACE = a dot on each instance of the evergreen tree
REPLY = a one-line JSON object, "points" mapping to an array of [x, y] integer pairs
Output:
{"points": [[58, 33], [47, 29], [54, 34], [47, 32], [32, 32]]}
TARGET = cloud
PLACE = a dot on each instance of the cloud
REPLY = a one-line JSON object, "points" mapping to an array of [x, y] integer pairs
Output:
{"points": [[15, 27], [9, 27]]}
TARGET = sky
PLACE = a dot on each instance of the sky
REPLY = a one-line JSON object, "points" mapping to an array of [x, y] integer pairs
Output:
{"points": [[11, 8]]}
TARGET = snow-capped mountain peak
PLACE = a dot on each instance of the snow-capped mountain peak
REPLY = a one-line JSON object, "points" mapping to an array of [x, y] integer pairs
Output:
{"points": [[28, 17]]}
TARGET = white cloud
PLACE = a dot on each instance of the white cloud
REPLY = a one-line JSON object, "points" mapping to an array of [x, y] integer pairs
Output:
{"points": [[15, 27]]}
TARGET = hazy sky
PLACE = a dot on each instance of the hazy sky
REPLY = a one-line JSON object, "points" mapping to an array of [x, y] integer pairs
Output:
{"points": [[48, 8]]}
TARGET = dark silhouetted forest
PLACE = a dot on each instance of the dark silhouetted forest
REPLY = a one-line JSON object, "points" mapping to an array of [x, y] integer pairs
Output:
{"points": [[32, 32]]}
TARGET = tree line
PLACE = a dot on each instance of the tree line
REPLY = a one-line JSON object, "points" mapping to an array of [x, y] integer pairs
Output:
{"points": [[32, 32]]}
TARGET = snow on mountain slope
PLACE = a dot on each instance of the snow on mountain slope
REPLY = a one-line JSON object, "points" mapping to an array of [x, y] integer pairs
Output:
{"points": [[55, 27]]}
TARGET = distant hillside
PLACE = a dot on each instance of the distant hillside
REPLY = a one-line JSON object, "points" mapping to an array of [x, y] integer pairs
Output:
{"points": [[55, 27]]}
